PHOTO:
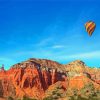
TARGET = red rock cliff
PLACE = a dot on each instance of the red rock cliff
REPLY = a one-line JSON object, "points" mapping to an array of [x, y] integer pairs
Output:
{"points": [[31, 78]]}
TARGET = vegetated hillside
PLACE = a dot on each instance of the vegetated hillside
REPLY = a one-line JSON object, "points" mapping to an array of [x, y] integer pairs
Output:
{"points": [[44, 79]]}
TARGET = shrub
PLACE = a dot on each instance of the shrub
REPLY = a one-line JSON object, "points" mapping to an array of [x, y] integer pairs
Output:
{"points": [[27, 98], [10, 98], [48, 98], [78, 98]]}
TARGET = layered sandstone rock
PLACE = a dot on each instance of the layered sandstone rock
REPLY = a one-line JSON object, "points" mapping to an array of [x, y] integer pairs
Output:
{"points": [[29, 78], [35, 77]]}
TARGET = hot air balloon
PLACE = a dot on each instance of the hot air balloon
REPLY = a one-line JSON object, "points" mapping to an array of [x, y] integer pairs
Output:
{"points": [[90, 27]]}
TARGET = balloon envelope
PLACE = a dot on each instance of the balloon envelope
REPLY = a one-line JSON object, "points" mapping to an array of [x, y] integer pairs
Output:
{"points": [[90, 27]]}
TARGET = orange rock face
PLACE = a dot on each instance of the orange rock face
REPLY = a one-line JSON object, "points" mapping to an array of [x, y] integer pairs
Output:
{"points": [[34, 77], [28, 78]]}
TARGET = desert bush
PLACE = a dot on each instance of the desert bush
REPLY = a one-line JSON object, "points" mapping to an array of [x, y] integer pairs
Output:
{"points": [[78, 98], [10, 98], [48, 98], [88, 92], [27, 98]]}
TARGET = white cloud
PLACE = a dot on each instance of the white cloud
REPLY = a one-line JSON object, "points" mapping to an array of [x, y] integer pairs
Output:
{"points": [[58, 46], [87, 55], [93, 54], [50, 55], [44, 42]]}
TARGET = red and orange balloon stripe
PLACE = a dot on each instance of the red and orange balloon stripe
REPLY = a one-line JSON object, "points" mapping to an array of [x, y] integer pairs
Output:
{"points": [[90, 27]]}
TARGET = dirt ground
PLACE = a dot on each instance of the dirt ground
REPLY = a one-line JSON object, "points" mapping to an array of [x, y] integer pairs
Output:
{"points": [[2, 99]]}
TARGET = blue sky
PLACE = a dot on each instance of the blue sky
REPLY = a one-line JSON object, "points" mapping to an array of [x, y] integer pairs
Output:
{"points": [[49, 29]]}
